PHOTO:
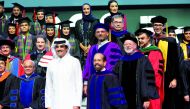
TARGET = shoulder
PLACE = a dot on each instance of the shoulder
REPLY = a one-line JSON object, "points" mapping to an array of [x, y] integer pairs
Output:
{"points": [[79, 21]]}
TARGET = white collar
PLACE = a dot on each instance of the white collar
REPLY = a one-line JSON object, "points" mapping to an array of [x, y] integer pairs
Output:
{"points": [[102, 43]]}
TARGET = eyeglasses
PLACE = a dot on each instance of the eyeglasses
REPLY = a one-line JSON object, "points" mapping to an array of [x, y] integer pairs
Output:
{"points": [[61, 46]]}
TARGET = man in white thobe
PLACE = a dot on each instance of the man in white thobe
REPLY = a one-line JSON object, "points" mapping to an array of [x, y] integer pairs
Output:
{"points": [[63, 78]]}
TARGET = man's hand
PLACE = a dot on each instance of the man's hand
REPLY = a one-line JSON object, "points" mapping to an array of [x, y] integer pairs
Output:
{"points": [[85, 89], [146, 104], [76, 107], [186, 98], [173, 83]]}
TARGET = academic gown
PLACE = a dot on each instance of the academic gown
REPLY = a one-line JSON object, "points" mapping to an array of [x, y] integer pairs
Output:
{"points": [[116, 37], [186, 74], [36, 57], [27, 92], [137, 78], [112, 52], [156, 59], [169, 49], [105, 92], [6, 81]]}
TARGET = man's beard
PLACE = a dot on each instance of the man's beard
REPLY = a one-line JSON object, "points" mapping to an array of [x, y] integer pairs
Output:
{"points": [[99, 68], [128, 50]]}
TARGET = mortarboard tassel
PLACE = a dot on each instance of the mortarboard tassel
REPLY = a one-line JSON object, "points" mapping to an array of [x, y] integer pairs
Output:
{"points": [[53, 17], [59, 32], [17, 29], [24, 13], [34, 15], [167, 29], [110, 35]]}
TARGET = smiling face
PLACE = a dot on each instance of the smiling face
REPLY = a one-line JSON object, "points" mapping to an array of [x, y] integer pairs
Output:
{"points": [[61, 50], [86, 9], [5, 50], [40, 15], [129, 46], [50, 31], [99, 62], [158, 28], [144, 40], [12, 30], [66, 31]]}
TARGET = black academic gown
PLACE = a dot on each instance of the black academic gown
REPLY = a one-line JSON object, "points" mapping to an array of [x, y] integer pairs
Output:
{"points": [[170, 51], [105, 92], [27, 92], [137, 78], [36, 56], [6, 81]]}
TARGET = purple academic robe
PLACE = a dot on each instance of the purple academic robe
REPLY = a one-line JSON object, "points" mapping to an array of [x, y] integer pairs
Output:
{"points": [[112, 52]]}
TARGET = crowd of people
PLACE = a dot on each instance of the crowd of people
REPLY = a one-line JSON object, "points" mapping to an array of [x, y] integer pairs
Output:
{"points": [[44, 67]]}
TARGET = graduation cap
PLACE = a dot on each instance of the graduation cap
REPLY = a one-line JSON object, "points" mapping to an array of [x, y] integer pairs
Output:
{"points": [[50, 25], [50, 13], [3, 58], [171, 29], [7, 42], [65, 23], [24, 19], [2, 3], [18, 5], [11, 24], [101, 25], [159, 19], [186, 28], [140, 31], [40, 9], [129, 36]]}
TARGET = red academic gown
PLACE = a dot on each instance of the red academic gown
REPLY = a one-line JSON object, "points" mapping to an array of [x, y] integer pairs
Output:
{"points": [[156, 59]]}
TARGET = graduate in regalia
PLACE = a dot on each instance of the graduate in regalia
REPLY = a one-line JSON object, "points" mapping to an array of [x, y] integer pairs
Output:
{"points": [[6, 81], [66, 33], [186, 62], [111, 50], [156, 59], [136, 75], [104, 89], [170, 51], [26, 91]]}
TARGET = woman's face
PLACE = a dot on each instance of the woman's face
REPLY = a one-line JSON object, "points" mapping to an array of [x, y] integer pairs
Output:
{"points": [[113, 7], [40, 15], [66, 30], [12, 30], [86, 9]]}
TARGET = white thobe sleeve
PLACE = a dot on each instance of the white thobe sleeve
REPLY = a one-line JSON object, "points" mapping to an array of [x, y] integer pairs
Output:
{"points": [[78, 84], [48, 88]]}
